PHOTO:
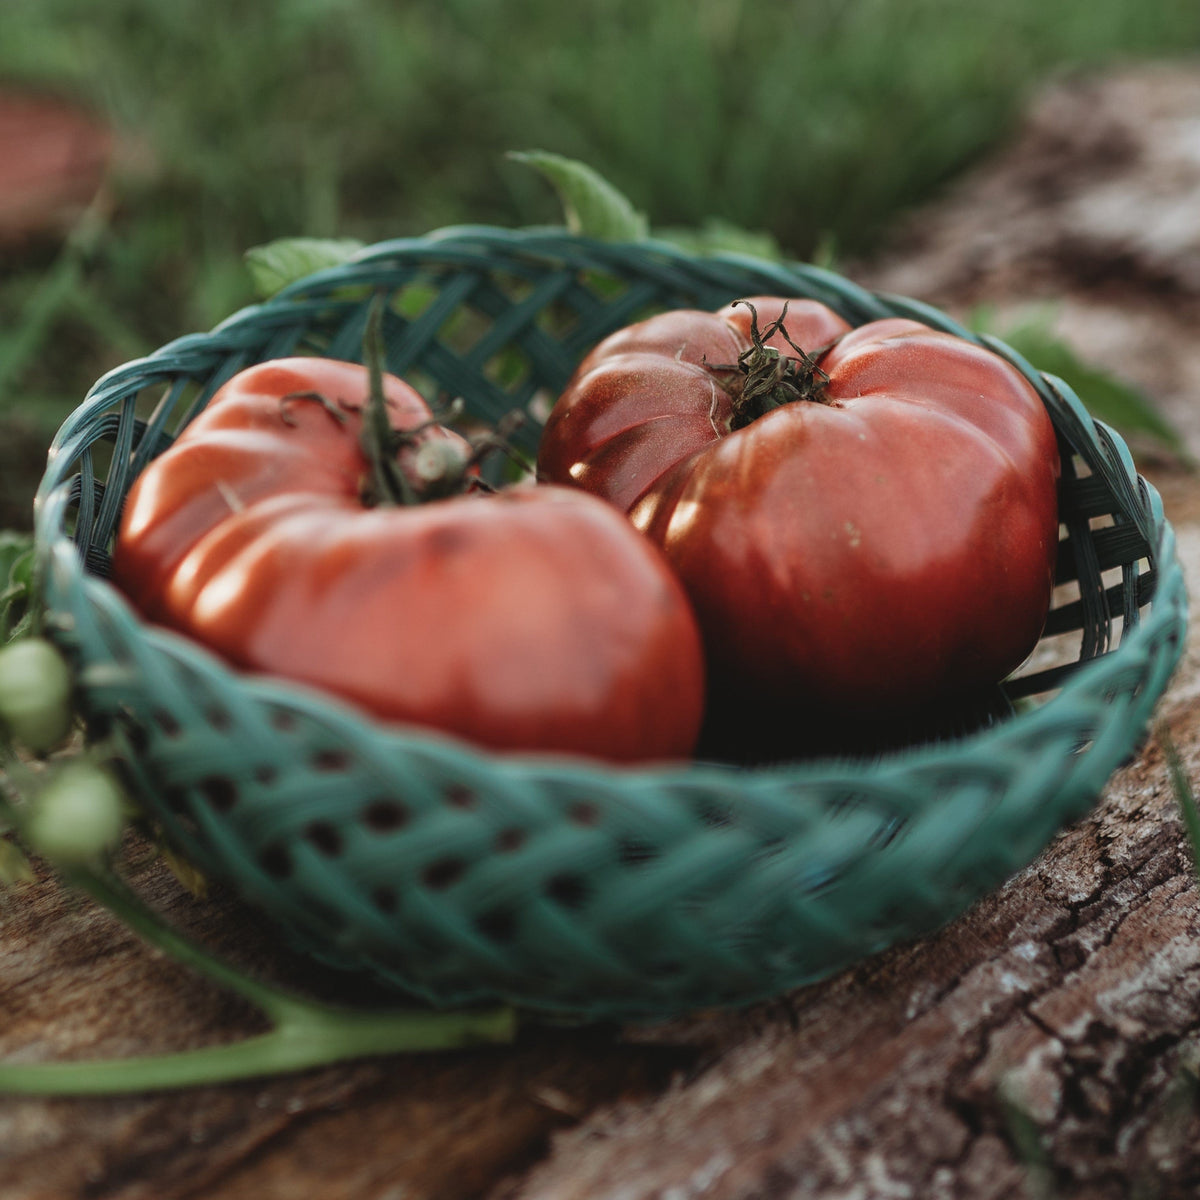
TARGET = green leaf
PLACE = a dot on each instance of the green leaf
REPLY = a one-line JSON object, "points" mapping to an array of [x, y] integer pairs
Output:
{"points": [[1105, 395], [1026, 1137], [188, 875], [715, 236], [14, 866], [591, 205], [414, 300], [276, 264], [16, 584], [1185, 797], [825, 252]]}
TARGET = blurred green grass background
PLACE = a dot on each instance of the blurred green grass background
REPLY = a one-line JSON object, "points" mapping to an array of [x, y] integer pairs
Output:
{"points": [[817, 121]]}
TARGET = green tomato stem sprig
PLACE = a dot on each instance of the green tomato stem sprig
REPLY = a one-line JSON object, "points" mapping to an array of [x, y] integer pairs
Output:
{"points": [[304, 1033], [73, 813]]}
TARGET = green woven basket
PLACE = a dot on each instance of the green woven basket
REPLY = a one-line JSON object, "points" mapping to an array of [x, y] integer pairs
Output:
{"points": [[563, 886]]}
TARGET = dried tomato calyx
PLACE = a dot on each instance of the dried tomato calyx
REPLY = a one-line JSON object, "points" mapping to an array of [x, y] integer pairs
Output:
{"points": [[771, 379]]}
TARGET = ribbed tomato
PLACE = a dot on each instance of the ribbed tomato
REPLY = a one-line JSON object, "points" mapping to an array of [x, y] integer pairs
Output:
{"points": [[866, 520], [532, 619]]}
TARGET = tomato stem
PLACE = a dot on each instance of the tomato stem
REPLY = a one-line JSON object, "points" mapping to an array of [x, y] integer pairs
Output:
{"points": [[500, 441], [305, 1033], [315, 397], [407, 467], [772, 379], [388, 484]]}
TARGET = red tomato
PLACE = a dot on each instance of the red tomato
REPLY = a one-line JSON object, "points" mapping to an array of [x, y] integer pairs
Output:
{"points": [[534, 619], [875, 532]]}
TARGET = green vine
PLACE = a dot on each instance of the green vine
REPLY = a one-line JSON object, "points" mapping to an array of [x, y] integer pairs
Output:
{"points": [[72, 813]]}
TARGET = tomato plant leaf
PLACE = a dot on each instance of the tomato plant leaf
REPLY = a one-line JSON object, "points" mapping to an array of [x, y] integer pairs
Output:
{"points": [[716, 236], [16, 584], [1105, 395], [189, 876], [276, 264], [591, 205], [14, 866]]}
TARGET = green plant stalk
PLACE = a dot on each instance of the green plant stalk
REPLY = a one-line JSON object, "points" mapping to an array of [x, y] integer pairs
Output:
{"points": [[305, 1033], [1185, 797], [318, 1038], [1027, 1142], [389, 485]]}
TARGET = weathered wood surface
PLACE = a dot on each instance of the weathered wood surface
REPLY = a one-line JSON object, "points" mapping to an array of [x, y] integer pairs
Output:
{"points": [[1044, 1044]]}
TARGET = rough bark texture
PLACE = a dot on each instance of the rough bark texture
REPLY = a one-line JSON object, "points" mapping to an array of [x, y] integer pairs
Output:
{"points": [[1045, 1044]]}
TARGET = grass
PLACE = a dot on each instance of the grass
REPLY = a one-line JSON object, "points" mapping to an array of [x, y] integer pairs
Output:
{"points": [[815, 120]]}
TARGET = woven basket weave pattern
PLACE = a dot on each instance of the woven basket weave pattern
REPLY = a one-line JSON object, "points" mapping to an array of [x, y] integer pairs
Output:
{"points": [[563, 885]]}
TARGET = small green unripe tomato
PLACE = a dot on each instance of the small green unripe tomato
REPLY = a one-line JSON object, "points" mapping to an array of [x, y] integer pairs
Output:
{"points": [[35, 694], [77, 816]]}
